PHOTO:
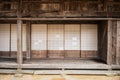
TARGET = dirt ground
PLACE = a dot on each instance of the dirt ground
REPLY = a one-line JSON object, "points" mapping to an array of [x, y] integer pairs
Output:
{"points": [[56, 77]]}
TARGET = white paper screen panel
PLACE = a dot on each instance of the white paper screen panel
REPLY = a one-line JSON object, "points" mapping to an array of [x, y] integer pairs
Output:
{"points": [[55, 36], [89, 37], [72, 37], [39, 37], [14, 37], [4, 37]]}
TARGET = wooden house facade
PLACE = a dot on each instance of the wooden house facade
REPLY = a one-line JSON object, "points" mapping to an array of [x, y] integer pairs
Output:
{"points": [[60, 34]]}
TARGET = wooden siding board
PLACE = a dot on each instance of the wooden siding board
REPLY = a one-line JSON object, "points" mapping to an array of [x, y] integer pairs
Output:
{"points": [[118, 44], [109, 43], [114, 41], [28, 39]]}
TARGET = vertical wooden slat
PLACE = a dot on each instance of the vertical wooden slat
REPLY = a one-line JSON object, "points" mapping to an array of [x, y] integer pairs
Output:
{"points": [[118, 44], [10, 42], [114, 41], [47, 55], [64, 40], [109, 43], [80, 41], [28, 39]]}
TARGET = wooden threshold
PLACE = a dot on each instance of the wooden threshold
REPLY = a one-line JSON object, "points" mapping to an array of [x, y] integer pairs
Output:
{"points": [[55, 64], [62, 72]]}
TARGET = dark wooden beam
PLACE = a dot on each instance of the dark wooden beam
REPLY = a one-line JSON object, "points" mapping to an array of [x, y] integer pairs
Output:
{"points": [[31, 19], [58, 19], [28, 39]]}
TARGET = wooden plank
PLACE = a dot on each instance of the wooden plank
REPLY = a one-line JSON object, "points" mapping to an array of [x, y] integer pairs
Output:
{"points": [[114, 41], [109, 43], [60, 18], [79, 72], [70, 18], [118, 44], [10, 41], [95, 72], [28, 39]]}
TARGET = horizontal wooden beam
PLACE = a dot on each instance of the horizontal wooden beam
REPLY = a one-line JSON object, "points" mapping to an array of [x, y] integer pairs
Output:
{"points": [[61, 72], [53, 67], [72, 19]]}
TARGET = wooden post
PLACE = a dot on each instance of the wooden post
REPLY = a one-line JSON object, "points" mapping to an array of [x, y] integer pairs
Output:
{"points": [[19, 35], [28, 39], [109, 43], [19, 44]]}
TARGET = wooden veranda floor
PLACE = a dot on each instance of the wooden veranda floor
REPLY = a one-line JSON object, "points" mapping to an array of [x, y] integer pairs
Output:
{"points": [[57, 64]]}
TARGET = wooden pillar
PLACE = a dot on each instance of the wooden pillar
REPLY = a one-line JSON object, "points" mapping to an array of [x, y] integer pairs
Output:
{"points": [[19, 35], [28, 39], [19, 44], [109, 43]]}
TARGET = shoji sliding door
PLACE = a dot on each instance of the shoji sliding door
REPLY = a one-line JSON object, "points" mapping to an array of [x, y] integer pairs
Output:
{"points": [[39, 41], [5, 40], [64, 41], [55, 41], [72, 40], [89, 40]]}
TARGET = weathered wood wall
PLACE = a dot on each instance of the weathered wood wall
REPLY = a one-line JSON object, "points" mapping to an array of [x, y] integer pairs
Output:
{"points": [[108, 38], [115, 42], [118, 44], [61, 8]]}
